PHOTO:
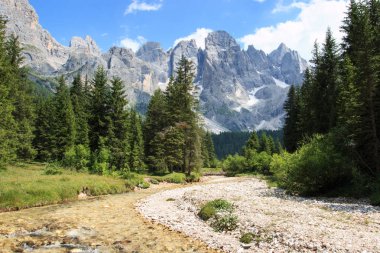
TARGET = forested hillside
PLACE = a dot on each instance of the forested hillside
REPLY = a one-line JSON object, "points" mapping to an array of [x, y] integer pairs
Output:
{"points": [[87, 125]]}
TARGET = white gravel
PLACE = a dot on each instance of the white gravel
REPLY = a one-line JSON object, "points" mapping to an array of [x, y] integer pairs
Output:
{"points": [[281, 223]]}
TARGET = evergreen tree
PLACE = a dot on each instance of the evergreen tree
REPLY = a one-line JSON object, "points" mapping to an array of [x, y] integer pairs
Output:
{"points": [[182, 110], [306, 123], [79, 102], [64, 129], [291, 133], [253, 143], [156, 120], [359, 44], [100, 118], [7, 122], [136, 142], [22, 97], [119, 141], [44, 141], [210, 149]]}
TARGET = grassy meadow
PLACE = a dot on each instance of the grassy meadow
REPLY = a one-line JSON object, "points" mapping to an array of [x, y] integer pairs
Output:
{"points": [[28, 185]]}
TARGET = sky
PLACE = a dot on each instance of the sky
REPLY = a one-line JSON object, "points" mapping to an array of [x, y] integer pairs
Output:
{"points": [[130, 23]]}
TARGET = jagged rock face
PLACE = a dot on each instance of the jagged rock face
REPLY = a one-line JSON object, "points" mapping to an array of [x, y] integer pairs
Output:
{"points": [[43, 52], [238, 89]]}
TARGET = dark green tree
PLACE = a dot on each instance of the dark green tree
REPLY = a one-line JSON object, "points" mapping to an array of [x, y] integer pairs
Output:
{"points": [[118, 139], [80, 102], [100, 118], [292, 109]]}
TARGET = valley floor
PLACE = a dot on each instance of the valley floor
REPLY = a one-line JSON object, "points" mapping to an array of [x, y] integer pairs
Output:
{"points": [[279, 222], [101, 224]]}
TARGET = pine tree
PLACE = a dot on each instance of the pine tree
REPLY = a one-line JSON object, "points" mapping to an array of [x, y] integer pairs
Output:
{"points": [[119, 141], [136, 142], [22, 96], [360, 47], [100, 119], [210, 149], [182, 110], [156, 120], [291, 133], [306, 123], [65, 127], [79, 102], [7, 122], [348, 102], [253, 143]]}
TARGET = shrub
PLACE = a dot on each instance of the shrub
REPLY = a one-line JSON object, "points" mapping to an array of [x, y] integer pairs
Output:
{"points": [[77, 157], [52, 169], [211, 208], [193, 177], [316, 167], [247, 238], [259, 162], [175, 178], [375, 196], [227, 222], [233, 165], [143, 185], [207, 212]]}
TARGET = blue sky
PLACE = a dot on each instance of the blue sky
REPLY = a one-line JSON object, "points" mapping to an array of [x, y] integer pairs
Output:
{"points": [[262, 23]]}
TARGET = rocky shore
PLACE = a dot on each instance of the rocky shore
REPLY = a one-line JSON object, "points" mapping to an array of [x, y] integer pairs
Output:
{"points": [[279, 223]]}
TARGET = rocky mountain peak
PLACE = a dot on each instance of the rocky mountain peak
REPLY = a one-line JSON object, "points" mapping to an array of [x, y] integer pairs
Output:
{"points": [[87, 45], [152, 52], [221, 40]]}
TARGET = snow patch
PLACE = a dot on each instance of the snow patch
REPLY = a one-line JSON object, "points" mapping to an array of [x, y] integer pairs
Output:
{"points": [[280, 83], [213, 126]]}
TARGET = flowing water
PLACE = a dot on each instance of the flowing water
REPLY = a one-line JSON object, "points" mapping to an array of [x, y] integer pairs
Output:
{"points": [[104, 224]]}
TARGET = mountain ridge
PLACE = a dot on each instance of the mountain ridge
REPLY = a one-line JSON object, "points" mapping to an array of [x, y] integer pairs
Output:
{"points": [[238, 89]]}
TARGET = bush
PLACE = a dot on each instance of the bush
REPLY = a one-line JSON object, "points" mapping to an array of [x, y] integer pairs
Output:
{"points": [[247, 238], [227, 222], [316, 167], [259, 162], [52, 169], [77, 157], [211, 208], [143, 185], [193, 177], [175, 178], [233, 165]]}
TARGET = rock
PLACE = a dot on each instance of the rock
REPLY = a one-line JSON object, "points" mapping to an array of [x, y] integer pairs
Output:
{"points": [[238, 89]]}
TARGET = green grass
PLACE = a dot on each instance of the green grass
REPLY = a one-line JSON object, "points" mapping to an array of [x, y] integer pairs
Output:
{"points": [[27, 186], [204, 171], [211, 208]]}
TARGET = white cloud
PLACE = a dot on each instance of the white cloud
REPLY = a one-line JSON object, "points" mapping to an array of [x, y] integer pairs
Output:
{"points": [[137, 5], [299, 34], [133, 44], [199, 36]]}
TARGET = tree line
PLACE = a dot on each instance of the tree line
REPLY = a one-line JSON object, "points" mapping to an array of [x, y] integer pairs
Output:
{"points": [[336, 112], [90, 126]]}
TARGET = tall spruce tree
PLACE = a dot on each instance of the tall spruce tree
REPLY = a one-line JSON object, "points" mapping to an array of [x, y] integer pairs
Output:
{"points": [[118, 139], [360, 46], [182, 109], [22, 97], [79, 102], [292, 136], [155, 122], [64, 129], [136, 142], [7, 122], [100, 119]]}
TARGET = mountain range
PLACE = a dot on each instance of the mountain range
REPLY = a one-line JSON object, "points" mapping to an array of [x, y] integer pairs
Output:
{"points": [[238, 89]]}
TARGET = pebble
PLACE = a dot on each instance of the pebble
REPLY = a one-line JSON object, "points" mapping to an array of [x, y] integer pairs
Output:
{"points": [[282, 223]]}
